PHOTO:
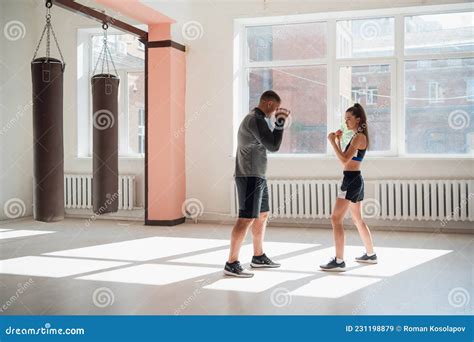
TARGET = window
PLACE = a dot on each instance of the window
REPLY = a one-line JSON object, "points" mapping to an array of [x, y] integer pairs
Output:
{"points": [[439, 117], [365, 38], [128, 58], [298, 85], [439, 33], [286, 42], [322, 66]]}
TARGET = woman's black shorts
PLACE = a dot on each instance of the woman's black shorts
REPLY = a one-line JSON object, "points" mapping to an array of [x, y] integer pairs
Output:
{"points": [[352, 187]]}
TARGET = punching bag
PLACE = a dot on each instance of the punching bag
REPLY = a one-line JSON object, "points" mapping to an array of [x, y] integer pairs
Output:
{"points": [[105, 143], [48, 152]]}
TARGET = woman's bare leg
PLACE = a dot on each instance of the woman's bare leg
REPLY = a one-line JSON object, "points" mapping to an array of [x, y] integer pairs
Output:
{"points": [[362, 227], [337, 220]]}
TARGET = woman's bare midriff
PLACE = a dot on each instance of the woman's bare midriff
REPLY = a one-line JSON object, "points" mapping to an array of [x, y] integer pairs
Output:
{"points": [[352, 165]]}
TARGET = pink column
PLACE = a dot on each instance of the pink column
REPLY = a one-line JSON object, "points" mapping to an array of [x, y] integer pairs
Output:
{"points": [[165, 168]]}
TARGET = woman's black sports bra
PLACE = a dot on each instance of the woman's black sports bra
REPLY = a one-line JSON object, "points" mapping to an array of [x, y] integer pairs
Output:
{"points": [[360, 153]]}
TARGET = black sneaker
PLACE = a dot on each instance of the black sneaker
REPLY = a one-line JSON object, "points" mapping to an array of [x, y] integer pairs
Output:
{"points": [[235, 269], [333, 266], [367, 259], [263, 261]]}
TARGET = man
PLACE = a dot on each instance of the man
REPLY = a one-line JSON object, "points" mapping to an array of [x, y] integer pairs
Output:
{"points": [[254, 139]]}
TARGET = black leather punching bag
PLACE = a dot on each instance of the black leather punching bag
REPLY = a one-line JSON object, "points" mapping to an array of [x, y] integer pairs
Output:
{"points": [[105, 143], [48, 152]]}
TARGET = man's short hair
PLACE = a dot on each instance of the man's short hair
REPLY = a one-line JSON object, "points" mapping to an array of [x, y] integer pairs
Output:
{"points": [[270, 95]]}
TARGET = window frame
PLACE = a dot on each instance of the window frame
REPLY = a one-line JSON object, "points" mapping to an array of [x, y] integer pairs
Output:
{"points": [[397, 65]]}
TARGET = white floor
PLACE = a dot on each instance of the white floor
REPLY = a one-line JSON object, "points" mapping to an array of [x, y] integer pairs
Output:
{"points": [[119, 267]]}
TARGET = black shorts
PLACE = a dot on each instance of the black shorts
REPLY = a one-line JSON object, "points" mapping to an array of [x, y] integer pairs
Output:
{"points": [[253, 196], [352, 187]]}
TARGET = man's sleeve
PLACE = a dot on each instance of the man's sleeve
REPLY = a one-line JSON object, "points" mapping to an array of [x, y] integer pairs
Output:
{"points": [[270, 139]]}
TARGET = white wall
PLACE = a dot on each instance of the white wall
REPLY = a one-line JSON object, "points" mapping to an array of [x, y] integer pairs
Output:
{"points": [[208, 102], [16, 141]]}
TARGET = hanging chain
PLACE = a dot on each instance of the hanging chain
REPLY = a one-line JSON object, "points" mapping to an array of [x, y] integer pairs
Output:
{"points": [[48, 29], [105, 55], [48, 33], [39, 43], [112, 61], [56, 42], [104, 46]]}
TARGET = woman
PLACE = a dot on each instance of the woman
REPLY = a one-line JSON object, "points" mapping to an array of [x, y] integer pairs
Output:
{"points": [[351, 192]]}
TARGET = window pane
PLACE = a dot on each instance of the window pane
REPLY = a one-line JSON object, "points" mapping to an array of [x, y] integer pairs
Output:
{"points": [[369, 85], [439, 33], [365, 38], [136, 96], [438, 108], [125, 50], [287, 42], [303, 91]]}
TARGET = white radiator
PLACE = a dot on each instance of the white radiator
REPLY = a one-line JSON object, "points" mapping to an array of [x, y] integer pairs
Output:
{"points": [[78, 192], [296, 198], [442, 200], [425, 199]]}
